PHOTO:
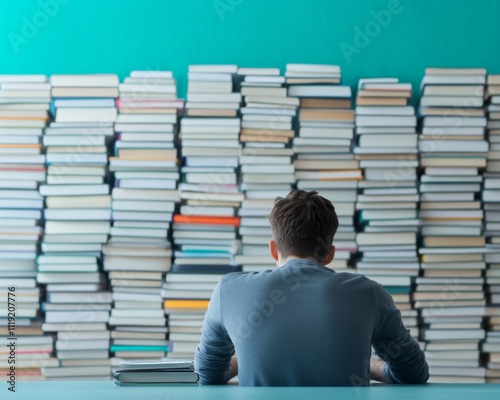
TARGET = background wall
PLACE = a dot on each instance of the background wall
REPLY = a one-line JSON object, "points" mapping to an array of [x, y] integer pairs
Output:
{"points": [[366, 37]]}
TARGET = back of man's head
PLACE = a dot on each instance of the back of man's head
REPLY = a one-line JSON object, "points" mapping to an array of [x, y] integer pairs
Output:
{"points": [[303, 225]]}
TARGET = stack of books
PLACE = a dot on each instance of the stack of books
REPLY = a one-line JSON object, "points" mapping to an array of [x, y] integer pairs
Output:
{"points": [[77, 223], [209, 144], [491, 206], [186, 297], [204, 231], [205, 245], [491, 189], [323, 148], [210, 91], [267, 171], [144, 198], [175, 372], [450, 293], [386, 141], [24, 104]]}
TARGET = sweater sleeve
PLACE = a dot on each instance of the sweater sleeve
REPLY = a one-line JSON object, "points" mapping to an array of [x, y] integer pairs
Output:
{"points": [[213, 356], [404, 361]]}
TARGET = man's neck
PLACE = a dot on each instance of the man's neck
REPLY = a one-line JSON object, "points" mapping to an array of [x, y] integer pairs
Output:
{"points": [[283, 261]]}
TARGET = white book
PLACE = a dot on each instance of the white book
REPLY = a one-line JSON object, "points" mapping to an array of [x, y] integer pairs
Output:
{"points": [[444, 121], [401, 87], [214, 68], [139, 88], [318, 68], [85, 214], [72, 140], [23, 86], [224, 98], [73, 190], [454, 334], [81, 103], [385, 238], [85, 80], [209, 105], [209, 87], [147, 118], [450, 146], [320, 91], [451, 101], [364, 81], [258, 71], [209, 77], [143, 127], [268, 111], [151, 74], [274, 81], [263, 91], [124, 313], [376, 110], [454, 80], [388, 141], [88, 131], [23, 78], [81, 344], [404, 121], [65, 316], [81, 227], [215, 122]]}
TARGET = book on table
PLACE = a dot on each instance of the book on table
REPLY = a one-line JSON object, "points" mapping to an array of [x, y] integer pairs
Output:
{"points": [[171, 371]]}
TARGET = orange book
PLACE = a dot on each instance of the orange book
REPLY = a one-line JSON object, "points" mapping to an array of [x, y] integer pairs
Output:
{"points": [[185, 303], [196, 219], [20, 146], [148, 154], [324, 103], [23, 118], [211, 112], [267, 133], [20, 167], [381, 101], [326, 115]]}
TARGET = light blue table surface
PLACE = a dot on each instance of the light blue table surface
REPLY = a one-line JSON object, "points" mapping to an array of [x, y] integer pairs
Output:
{"points": [[107, 390]]}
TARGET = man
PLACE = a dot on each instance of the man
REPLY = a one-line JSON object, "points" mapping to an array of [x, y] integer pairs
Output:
{"points": [[303, 324]]}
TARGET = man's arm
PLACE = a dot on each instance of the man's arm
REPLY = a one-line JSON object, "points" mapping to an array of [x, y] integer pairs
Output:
{"points": [[403, 361], [377, 371], [213, 356]]}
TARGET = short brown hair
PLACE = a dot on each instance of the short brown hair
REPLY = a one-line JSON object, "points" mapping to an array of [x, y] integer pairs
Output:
{"points": [[303, 225]]}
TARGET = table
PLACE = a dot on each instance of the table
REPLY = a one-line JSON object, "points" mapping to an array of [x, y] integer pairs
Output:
{"points": [[99, 390]]}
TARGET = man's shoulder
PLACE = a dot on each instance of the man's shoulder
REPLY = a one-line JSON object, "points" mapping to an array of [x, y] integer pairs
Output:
{"points": [[357, 281], [235, 277], [338, 278]]}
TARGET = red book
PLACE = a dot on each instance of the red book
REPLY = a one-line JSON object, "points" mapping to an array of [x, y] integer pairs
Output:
{"points": [[207, 220]]}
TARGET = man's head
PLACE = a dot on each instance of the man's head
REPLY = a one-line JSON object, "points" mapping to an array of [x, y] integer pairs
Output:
{"points": [[303, 226]]}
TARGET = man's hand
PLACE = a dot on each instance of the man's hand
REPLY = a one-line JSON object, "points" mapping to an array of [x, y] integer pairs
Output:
{"points": [[233, 368], [377, 371]]}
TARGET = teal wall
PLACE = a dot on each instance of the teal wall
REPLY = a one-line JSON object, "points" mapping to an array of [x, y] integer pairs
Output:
{"points": [[85, 36]]}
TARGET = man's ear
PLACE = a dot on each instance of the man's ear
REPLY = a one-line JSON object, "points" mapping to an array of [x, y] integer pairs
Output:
{"points": [[329, 257], [273, 250]]}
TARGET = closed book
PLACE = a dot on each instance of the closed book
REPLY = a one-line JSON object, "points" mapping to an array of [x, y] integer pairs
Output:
{"points": [[204, 269], [123, 377]]}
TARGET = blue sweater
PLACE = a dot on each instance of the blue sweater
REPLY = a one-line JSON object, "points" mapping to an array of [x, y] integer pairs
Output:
{"points": [[304, 325]]}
